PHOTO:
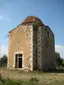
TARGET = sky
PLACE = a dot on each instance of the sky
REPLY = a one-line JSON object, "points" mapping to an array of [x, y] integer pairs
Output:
{"points": [[13, 12]]}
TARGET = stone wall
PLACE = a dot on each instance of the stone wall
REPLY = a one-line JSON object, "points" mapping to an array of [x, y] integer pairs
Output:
{"points": [[20, 41], [43, 47], [35, 48], [49, 50], [39, 48], [36, 45]]}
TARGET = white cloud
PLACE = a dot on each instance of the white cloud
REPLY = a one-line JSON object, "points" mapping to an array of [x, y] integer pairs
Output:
{"points": [[4, 18], [8, 20], [60, 49], [1, 18], [3, 50]]}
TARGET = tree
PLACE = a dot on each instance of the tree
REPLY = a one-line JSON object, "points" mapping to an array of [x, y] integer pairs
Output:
{"points": [[59, 60], [3, 61], [63, 63]]}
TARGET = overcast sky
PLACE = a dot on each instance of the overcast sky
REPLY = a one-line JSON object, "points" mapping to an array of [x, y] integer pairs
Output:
{"points": [[13, 12]]}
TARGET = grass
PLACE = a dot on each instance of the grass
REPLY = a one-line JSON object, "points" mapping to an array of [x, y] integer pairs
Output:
{"points": [[15, 77], [31, 81]]}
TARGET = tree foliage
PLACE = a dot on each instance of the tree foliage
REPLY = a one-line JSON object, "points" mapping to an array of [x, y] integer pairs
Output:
{"points": [[59, 60], [3, 61], [36, 24]]}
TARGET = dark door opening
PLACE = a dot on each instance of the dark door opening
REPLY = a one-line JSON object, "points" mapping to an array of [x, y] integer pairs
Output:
{"points": [[18, 61]]}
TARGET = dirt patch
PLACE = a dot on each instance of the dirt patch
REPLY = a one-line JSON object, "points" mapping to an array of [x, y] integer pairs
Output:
{"points": [[21, 75]]}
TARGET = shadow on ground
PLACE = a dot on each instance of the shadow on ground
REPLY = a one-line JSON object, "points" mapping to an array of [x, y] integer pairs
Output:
{"points": [[58, 70]]}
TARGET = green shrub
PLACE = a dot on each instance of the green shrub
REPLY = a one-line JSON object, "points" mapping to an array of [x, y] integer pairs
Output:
{"points": [[1, 83], [3, 61], [0, 77]]}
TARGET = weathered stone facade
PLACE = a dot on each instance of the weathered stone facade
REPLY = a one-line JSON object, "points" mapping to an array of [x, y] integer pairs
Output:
{"points": [[31, 46]]}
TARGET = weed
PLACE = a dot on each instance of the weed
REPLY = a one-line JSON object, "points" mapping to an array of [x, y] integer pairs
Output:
{"points": [[33, 79]]}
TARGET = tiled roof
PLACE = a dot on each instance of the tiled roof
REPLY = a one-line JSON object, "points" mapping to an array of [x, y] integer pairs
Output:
{"points": [[31, 19]]}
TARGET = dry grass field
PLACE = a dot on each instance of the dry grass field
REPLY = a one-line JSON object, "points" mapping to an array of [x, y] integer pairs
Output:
{"points": [[43, 78]]}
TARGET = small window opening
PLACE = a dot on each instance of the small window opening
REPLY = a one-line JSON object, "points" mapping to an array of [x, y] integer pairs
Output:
{"points": [[48, 34]]}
